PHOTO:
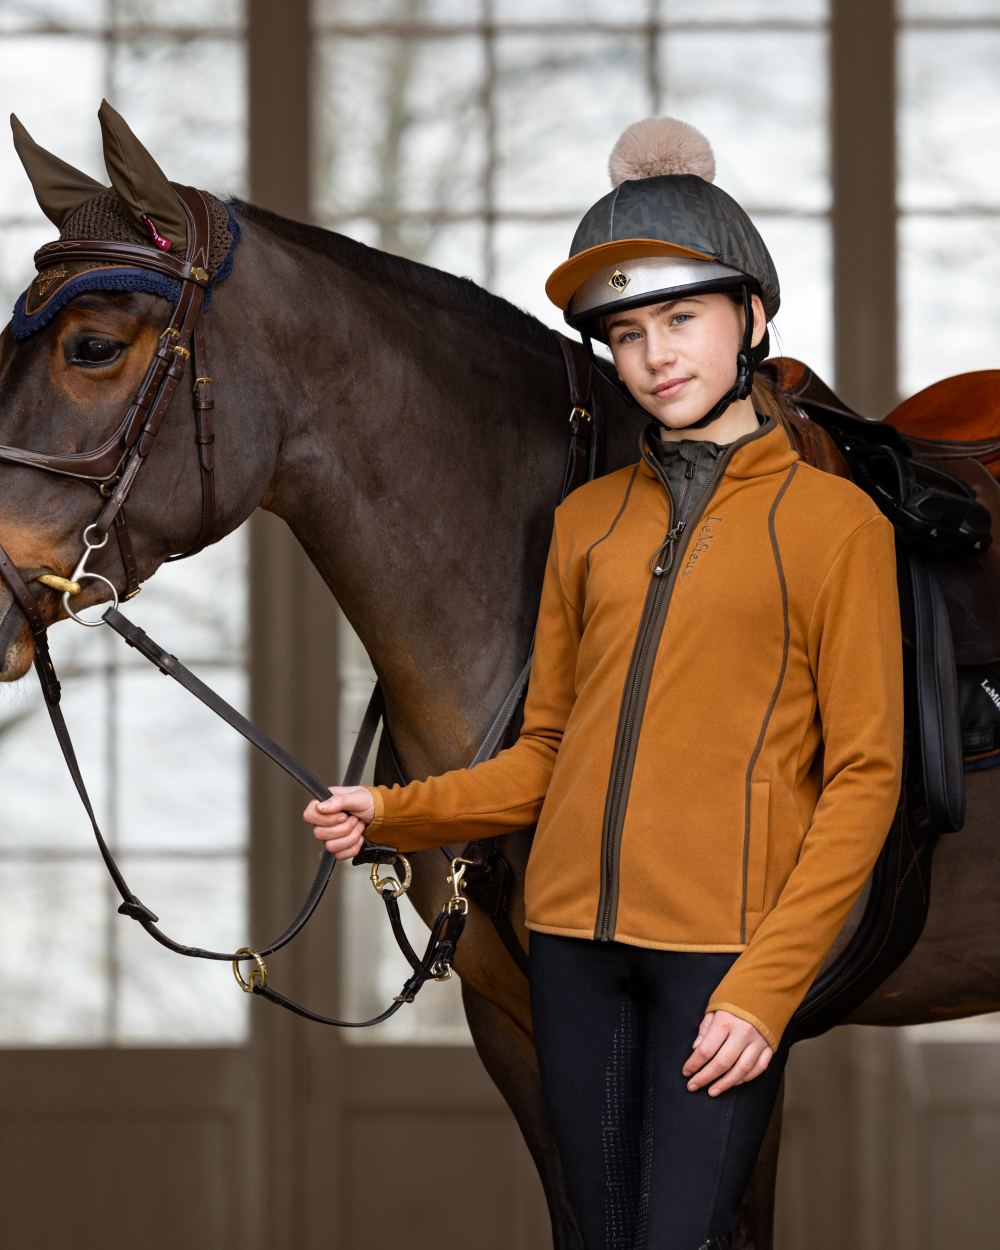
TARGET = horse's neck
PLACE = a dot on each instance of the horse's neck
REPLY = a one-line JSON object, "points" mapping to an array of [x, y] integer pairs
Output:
{"points": [[420, 461]]}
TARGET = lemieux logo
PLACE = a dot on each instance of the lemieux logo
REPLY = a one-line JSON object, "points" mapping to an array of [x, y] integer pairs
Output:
{"points": [[705, 535]]}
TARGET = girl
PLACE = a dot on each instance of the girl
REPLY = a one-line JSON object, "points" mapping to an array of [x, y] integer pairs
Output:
{"points": [[711, 748]]}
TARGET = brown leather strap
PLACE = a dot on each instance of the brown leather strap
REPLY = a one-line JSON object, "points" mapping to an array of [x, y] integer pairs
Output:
{"points": [[19, 589], [128, 255], [578, 370], [129, 566], [204, 437]]}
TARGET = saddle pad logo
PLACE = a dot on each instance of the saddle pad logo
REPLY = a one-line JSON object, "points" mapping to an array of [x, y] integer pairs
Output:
{"points": [[619, 281]]}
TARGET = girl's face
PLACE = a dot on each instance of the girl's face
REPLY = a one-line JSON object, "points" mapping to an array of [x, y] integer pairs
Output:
{"points": [[678, 358]]}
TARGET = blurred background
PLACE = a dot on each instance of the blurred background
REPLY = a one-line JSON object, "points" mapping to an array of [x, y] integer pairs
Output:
{"points": [[470, 135]]}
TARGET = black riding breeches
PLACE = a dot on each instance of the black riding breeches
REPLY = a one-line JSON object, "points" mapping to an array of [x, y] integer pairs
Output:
{"points": [[649, 1164]]}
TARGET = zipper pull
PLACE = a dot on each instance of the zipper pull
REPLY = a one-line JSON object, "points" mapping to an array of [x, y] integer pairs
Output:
{"points": [[666, 546]]}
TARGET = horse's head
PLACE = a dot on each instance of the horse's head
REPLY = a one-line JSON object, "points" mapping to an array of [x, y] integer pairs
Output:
{"points": [[104, 341]]}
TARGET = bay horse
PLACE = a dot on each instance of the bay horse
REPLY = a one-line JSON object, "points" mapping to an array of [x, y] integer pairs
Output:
{"points": [[410, 429]]}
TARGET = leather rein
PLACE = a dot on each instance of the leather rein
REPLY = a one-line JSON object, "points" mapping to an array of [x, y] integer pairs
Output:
{"points": [[112, 468]]}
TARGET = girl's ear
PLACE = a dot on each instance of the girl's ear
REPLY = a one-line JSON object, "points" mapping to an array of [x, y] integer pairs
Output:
{"points": [[759, 320]]}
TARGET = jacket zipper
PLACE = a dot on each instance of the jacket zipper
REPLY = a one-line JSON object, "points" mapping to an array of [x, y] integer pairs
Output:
{"points": [[651, 622]]}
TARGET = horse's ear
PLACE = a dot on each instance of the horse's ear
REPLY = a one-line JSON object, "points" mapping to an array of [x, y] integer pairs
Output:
{"points": [[58, 187], [150, 201]]}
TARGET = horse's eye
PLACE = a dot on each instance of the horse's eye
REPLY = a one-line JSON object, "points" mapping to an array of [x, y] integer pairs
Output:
{"points": [[95, 351]]}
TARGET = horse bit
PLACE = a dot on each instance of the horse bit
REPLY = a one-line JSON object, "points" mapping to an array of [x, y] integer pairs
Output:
{"points": [[112, 468]]}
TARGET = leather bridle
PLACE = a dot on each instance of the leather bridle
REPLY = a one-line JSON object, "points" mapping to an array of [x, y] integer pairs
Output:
{"points": [[114, 465], [113, 468]]}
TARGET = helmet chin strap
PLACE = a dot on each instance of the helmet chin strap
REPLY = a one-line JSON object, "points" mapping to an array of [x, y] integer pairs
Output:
{"points": [[746, 364]]}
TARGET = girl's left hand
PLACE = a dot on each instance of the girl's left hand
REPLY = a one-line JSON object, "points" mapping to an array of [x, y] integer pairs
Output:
{"points": [[726, 1044]]}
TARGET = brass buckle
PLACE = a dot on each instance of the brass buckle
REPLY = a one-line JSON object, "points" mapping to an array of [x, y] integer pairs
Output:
{"points": [[578, 414], [258, 975]]}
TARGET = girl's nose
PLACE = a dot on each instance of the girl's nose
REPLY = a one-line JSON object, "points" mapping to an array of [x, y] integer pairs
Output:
{"points": [[659, 351]]}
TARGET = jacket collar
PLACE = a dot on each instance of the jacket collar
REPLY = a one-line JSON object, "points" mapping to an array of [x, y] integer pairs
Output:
{"points": [[767, 449]]}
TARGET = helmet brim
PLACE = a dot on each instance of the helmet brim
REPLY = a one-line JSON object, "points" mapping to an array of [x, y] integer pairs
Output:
{"points": [[564, 281]]}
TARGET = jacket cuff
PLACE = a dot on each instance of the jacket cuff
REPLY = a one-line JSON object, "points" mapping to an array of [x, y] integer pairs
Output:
{"points": [[379, 801], [742, 1012]]}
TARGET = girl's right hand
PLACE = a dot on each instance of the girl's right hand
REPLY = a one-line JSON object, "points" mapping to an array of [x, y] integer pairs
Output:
{"points": [[340, 821]]}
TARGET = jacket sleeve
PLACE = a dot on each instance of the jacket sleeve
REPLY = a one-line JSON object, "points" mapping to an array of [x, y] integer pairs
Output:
{"points": [[855, 651], [505, 792]]}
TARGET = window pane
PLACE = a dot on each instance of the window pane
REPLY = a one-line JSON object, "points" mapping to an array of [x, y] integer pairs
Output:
{"points": [[64, 121], [949, 274], [743, 10], [200, 139], [39, 14], [371, 12], [181, 795], [164, 999], [219, 14], [29, 750], [525, 255], [711, 79], [949, 105], [573, 12], [803, 327], [399, 125], [560, 106], [948, 10]]}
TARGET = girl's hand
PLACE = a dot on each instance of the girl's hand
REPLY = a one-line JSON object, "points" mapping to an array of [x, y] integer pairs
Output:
{"points": [[340, 821], [726, 1044]]}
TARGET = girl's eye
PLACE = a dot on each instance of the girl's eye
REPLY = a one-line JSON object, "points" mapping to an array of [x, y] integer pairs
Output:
{"points": [[626, 337], [682, 316], [94, 351]]}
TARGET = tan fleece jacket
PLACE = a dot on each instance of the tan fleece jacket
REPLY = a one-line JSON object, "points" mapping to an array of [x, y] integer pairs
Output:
{"points": [[713, 751]]}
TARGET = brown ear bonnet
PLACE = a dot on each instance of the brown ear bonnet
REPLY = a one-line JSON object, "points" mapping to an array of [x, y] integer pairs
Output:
{"points": [[140, 206]]}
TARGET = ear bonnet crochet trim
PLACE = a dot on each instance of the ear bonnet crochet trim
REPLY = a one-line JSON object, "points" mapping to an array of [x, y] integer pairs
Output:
{"points": [[103, 217]]}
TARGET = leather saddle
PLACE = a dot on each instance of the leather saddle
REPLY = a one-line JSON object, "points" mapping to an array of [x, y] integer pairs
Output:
{"points": [[944, 501]]}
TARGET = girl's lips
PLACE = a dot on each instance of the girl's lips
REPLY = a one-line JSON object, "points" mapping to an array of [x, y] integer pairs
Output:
{"points": [[663, 392]]}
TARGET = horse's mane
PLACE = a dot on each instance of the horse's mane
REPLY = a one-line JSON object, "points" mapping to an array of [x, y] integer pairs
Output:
{"points": [[442, 288]]}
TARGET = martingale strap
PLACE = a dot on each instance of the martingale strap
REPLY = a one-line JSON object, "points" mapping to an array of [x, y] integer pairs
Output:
{"points": [[436, 960]]}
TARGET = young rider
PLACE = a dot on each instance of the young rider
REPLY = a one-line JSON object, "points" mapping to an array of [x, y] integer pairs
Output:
{"points": [[711, 748]]}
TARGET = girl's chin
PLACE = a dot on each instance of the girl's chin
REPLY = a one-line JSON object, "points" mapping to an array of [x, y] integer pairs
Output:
{"points": [[674, 420]]}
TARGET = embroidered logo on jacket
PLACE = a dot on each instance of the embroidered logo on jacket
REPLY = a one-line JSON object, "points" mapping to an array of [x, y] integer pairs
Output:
{"points": [[705, 536]]}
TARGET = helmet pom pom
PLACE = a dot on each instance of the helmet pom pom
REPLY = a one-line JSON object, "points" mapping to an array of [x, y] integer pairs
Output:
{"points": [[661, 145]]}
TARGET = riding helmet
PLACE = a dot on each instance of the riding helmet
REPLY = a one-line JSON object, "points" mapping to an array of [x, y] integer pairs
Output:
{"points": [[665, 229]]}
